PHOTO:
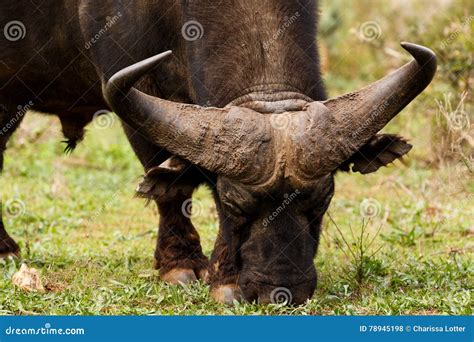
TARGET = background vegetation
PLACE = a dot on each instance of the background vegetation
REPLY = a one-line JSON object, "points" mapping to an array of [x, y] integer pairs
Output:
{"points": [[396, 242]]}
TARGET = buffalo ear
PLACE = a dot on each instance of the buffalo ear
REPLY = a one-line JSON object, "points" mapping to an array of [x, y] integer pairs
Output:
{"points": [[380, 151], [155, 180]]}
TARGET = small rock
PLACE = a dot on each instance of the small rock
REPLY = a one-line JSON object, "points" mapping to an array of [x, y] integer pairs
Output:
{"points": [[28, 279]]}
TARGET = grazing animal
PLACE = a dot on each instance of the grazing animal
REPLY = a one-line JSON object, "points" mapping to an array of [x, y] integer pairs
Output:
{"points": [[239, 105]]}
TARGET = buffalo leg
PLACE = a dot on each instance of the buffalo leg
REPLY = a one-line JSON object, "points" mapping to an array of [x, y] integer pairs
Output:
{"points": [[178, 253], [8, 124], [223, 273], [8, 246]]}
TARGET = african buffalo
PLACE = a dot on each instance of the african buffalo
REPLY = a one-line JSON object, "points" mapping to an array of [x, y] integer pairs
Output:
{"points": [[239, 105]]}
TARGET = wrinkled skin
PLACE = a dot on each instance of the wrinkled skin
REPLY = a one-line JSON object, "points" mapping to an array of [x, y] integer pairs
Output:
{"points": [[259, 57]]}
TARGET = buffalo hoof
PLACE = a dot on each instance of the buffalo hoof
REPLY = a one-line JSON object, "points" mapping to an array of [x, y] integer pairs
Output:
{"points": [[179, 276], [203, 274], [8, 247], [226, 294]]}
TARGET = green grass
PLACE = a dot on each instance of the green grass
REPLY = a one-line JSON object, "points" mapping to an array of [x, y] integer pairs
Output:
{"points": [[93, 242]]}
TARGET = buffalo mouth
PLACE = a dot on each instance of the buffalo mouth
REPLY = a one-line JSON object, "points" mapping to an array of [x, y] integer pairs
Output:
{"points": [[282, 293], [290, 289]]}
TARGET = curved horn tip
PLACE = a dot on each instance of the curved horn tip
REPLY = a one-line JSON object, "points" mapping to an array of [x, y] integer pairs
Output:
{"points": [[157, 57], [425, 57], [138, 69], [123, 80], [151, 61]]}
